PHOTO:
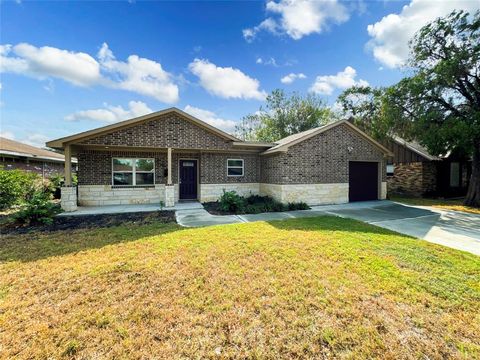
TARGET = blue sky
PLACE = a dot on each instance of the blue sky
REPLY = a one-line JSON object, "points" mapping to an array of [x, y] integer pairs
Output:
{"points": [[73, 66]]}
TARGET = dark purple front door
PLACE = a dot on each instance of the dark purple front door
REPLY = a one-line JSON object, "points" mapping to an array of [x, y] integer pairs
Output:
{"points": [[188, 179]]}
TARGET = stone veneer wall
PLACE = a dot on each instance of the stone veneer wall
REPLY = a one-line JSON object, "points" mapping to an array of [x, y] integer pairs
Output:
{"points": [[97, 195], [322, 159], [312, 194], [412, 179], [68, 200]]}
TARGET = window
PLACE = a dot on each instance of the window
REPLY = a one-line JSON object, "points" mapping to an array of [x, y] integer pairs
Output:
{"points": [[454, 174], [235, 167], [390, 169], [133, 172]]}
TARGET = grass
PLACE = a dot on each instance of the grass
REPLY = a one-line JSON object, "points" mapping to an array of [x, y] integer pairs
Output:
{"points": [[446, 204], [304, 288]]}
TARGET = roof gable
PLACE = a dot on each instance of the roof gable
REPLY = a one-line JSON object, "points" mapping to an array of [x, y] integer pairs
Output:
{"points": [[284, 144], [83, 136]]}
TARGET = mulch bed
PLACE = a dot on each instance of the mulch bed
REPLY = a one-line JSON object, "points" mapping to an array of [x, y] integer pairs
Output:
{"points": [[91, 221]]}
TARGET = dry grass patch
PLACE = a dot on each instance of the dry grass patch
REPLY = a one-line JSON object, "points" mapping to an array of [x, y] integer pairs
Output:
{"points": [[302, 288]]}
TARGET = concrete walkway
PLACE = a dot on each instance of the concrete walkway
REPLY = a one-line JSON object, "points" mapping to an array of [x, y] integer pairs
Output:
{"points": [[454, 229]]}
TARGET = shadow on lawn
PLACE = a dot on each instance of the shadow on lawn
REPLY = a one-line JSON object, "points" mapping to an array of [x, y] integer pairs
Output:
{"points": [[38, 245], [330, 223]]}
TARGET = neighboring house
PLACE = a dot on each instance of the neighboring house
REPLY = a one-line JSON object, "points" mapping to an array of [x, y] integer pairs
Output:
{"points": [[15, 155], [172, 156], [413, 171]]}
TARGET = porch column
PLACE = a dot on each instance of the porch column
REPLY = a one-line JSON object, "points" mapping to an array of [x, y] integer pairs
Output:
{"points": [[68, 165], [169, 188], [68, 192]]}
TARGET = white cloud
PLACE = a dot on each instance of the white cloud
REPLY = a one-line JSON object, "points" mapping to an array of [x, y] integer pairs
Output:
{"points": [[111, 114], [270, 61], [37, 140], [139, 75], [75, 67], [290, 78], [326, 84], [211, 118], [226, 82], [390, 36], [299, 18], [7, 135]]}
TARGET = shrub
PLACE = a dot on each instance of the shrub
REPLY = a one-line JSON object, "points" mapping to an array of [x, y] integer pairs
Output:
{"points": [[230, 201], [16, 186], [37, 209], [298, 206]]}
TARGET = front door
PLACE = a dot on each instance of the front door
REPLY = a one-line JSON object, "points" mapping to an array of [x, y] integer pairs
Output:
{"points": [[188, 179]]}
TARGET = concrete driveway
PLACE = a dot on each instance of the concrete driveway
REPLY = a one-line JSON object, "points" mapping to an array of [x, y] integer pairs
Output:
{"points": [[455, 229]]}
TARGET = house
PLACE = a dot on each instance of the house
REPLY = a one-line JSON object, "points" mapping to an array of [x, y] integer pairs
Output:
{"points": [[413, 171], [172, 156], [16, 155]]}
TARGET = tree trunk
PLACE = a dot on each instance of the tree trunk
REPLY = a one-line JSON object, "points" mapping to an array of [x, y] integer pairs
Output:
{"points": [[473, 194]]}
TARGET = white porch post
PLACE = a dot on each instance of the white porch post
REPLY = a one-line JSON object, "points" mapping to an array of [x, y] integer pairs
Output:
{"points": [[68, 192], [169, 188]]}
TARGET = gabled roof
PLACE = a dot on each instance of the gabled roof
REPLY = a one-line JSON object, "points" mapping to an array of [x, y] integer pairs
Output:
{"points": [[416, 148], [15, 148], [282, 145], [59, 143]]}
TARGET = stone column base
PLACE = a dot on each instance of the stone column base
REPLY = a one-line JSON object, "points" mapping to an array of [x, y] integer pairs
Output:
{"points": [[169, 195], [69, 198]]}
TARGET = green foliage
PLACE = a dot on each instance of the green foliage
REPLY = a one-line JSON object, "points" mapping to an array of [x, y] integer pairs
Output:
{"points": [[298, 206], [230, 201], [366, 107], [16, 186], [284, 115], [37, 209]]}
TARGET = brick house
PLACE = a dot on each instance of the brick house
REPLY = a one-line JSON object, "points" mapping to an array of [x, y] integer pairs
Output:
{"points": [[413, 171], [172, 156], [16, 155]]}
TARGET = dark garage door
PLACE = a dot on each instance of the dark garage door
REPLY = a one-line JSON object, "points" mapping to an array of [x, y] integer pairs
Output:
{"points": [[363, 181]]}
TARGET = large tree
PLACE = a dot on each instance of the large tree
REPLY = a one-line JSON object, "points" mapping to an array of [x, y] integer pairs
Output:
{"points": [[438, 104], [283, 115]]}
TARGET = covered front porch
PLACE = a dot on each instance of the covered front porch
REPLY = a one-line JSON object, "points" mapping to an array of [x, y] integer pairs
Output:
{"points": [[159, 185]]}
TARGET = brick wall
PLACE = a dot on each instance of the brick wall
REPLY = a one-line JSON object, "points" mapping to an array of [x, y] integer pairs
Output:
{"points": [[413, 179], [95, 167], [39, 167], [322, 159], [170, 130], [213, 169]]}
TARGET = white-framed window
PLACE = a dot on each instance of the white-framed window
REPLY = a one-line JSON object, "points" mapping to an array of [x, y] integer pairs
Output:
{"points": [[390, 169], [133, 171], [235, 167]]}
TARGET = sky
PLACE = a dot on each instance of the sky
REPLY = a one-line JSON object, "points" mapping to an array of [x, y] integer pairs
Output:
{"points": [[67, 67]]}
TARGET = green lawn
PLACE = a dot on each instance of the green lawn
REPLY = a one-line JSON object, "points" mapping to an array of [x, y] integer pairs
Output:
{"points": [[446, 204], [303, 288]]}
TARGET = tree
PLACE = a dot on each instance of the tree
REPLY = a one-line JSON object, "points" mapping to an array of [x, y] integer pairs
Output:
{"points": [[284, 115], [366, 107], [439, 104]]}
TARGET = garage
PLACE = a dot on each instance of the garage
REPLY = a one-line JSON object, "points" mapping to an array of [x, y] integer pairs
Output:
{"points": [[363, 181]]}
